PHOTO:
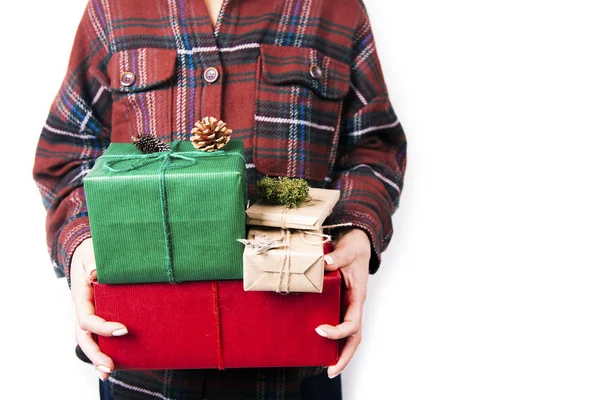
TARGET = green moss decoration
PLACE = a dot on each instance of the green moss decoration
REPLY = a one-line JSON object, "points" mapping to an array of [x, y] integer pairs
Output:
{"points": [[291, 192]]}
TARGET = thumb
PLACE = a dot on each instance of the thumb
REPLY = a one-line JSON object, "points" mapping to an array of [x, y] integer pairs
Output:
{"points": [[337, 259]]}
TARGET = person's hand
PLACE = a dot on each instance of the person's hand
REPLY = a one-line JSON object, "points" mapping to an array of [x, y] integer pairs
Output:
{"points": [[351, 256], [83, 272]]}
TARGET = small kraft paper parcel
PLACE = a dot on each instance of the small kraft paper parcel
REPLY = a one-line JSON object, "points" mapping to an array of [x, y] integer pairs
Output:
{"points": [[309, 216], [284, 261]]}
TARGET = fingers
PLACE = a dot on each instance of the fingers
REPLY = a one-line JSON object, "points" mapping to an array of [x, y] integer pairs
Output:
{"points": [[355, 273], [94, 324], [352, 246], [83, 298], [349, 327], [337, 259], [102, 363], [345, 356], [82, 273]]}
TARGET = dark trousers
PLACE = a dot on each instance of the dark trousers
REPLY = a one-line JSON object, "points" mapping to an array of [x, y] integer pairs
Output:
{"points": [[320, 387], [316, 387]]}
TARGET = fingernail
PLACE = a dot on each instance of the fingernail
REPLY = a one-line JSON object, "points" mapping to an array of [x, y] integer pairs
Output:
{"points": [[104, 369], [321, 332], [334, 376], [120, 332], [328, 259], [102, 378]]}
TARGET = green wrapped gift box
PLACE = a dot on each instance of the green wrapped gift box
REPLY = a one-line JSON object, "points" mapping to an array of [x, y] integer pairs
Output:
{"points": [[167, 217]]}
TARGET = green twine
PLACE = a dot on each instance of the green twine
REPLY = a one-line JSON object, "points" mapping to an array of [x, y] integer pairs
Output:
{"points": [[168, 258], [167, 157]]}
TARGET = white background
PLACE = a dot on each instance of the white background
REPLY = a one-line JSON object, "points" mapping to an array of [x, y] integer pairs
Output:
{"points": [[490, 287]]}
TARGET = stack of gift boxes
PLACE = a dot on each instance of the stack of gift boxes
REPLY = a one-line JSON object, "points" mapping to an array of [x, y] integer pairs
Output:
{"points": [[199, 279]]}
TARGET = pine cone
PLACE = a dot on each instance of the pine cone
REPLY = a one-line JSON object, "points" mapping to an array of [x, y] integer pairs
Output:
{"points": [[149, 144], [210, 135]]}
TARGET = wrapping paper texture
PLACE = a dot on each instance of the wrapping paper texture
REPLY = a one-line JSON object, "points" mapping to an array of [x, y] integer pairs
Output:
{"points": [[181, 326], [206, 200]]}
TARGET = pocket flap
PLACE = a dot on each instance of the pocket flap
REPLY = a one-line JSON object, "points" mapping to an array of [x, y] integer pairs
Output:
{"points": [[140, 69], [285, 64]]}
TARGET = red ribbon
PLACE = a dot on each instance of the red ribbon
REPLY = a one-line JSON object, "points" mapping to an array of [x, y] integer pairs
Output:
{"points": [[217, 312]]}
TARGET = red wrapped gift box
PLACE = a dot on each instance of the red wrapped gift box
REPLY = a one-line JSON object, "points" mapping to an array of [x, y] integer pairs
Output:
{"points": [[205, 325]]}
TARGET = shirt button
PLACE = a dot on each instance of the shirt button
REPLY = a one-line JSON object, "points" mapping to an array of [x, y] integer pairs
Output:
{"points": [[127, 78], [315, 71], [211, 74]]}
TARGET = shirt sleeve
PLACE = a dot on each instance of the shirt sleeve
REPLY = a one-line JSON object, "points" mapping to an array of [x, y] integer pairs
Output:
{"points": [[372, 149], [75, 134]]}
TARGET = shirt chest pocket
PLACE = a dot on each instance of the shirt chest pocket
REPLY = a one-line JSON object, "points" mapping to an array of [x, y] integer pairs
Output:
{"points": [[299, 99], [141, 83]]}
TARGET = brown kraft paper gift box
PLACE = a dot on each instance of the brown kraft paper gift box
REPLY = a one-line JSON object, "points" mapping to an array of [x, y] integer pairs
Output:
{"points": [[295, 265], [309, 216]]}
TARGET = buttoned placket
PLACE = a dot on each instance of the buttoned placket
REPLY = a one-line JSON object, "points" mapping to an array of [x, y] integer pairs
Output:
{"points": [[211, 98], [201, 70]]}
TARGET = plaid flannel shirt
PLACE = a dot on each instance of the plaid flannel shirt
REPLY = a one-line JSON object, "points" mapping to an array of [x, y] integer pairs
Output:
{"points": [[298, 80]]}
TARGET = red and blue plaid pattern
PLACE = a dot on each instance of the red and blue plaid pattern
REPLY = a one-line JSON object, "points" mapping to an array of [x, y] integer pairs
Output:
{"points": [[338, 130]]}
